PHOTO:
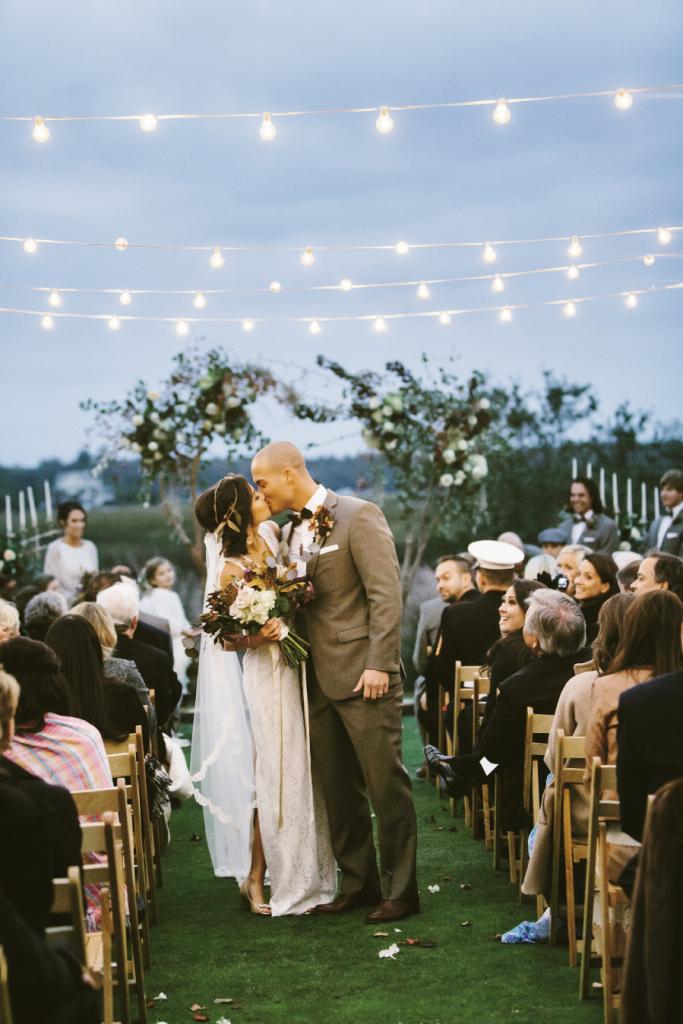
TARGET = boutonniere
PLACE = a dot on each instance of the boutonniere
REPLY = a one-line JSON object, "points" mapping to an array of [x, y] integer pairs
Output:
{"points": [[322, 522]]}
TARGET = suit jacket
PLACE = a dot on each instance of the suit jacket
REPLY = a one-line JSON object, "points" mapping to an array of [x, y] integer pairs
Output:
{"points": [[354, 622], [468, 629], [537, 685], [673, 538], [427, 632], [600, 534], [156, 668], [650, 745]]}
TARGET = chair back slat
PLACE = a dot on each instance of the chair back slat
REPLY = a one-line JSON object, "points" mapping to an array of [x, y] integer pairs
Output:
{"points": [[5, 1007]]}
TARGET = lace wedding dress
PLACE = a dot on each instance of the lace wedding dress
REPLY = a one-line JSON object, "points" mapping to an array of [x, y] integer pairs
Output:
{"points": [[292, 817]]}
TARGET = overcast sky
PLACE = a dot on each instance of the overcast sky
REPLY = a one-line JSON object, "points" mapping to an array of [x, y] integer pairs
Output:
{"points": [[574, 167]]}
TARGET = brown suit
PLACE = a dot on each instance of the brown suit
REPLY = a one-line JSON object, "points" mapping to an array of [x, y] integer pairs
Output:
{"points": [[353, 624]]}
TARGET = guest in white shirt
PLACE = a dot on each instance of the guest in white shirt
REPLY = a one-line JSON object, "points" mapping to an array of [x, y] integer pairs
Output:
{"points": [[70, 556], [666, 532], [159, 598]]}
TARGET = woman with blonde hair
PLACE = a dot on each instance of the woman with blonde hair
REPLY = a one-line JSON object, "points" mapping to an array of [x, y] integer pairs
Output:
{"points": [[9, 621]]}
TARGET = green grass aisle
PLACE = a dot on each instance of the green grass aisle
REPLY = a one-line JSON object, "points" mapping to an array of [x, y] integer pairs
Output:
{"points": [[315, 971]]}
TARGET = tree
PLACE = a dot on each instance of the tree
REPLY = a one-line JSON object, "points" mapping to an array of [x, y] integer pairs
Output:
{"points": [[206, 398]]}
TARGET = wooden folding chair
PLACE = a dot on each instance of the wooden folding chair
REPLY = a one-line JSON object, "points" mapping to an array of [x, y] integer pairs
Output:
{"points": [[568, 771], [115, 838], [463, 696], [598, 950], [537, 729], [5, 1006], [480, 804], [159, 834]]}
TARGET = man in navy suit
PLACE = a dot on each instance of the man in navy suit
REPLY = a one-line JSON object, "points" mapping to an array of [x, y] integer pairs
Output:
{"points": [[666, 531]]}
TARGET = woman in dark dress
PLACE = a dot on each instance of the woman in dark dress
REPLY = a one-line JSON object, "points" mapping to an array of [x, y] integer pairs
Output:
{"points": [[595, 583]]}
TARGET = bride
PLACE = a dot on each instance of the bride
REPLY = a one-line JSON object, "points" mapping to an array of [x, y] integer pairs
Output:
{"points": [[261, 808]]}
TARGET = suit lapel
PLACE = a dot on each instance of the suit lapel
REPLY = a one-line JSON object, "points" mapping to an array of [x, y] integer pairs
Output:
{"points": [[330, 504]]}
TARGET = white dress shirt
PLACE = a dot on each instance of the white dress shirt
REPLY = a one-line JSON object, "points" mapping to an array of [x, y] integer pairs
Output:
{"points": [[666, 523], [302, 535]]}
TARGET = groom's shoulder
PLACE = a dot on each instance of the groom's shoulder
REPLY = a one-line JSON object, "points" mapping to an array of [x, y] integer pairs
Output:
{"points": [[353, 506]]}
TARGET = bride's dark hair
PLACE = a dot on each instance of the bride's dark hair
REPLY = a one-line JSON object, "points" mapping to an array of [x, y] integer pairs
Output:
{"points": [[226, 507]]}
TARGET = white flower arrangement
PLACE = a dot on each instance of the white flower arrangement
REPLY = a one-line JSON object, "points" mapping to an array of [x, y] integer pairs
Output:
{"points": [[252, 605], [448, 456]]}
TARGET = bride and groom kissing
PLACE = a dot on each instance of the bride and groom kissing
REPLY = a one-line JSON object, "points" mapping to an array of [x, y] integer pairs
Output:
{"points": [[288, 781]]}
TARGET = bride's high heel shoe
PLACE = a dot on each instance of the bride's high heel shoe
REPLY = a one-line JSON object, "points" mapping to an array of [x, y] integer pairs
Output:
{"points": [[255, 908]]}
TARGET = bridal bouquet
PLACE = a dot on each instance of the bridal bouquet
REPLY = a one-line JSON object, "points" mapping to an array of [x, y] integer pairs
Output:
{"points": [[272, 591]]}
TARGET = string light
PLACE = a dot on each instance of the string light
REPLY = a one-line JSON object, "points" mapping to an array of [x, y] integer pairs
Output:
{"points": [[422, 290], [379, 325], [217, 260], [505, 315], [47, 322], [113, 323], [573, 272], [148, 123], [575, 248], [623, 99], [402, 248], [345, 285], [182, 328], [631, 300], [384, 122], [121, 244], [569, 310], [444, 318], [501, 113], [41, 132], [30, 246], [267, 129], [308, 257], [247, 325], [498, 284], [663, 236], [54, 298], [199, 301], [275, 287], [314, 327], [649, 260], [489, 253]]}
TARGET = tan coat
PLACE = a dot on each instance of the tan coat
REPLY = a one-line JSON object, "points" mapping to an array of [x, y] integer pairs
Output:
{"points": [[601, 736]]}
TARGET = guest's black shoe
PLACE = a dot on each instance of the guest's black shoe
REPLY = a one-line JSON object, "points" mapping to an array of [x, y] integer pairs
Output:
{"points": [[440, 764]]}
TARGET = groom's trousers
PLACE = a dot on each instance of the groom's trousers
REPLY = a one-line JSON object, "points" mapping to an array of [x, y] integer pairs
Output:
{"points": [[356, 752]]}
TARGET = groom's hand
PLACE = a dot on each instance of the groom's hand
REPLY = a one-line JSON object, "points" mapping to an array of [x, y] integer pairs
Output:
{"points": [[374, 684]]}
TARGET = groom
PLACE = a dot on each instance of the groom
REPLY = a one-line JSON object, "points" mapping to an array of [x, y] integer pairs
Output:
{"points": [[355, 692]]}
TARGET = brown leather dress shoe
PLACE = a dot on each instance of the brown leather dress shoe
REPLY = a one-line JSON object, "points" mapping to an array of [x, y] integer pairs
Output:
{"points": [[345, 902], [392, 910]]}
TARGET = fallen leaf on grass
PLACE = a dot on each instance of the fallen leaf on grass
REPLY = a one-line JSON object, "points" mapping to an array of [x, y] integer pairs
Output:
{"points": [[465, 924], [447, 878], [224, 999], [397, 930], [200, 1017], [465, 886], [440, 828], [423, 943], [196, 1006], [380, 935], [194, 838]]}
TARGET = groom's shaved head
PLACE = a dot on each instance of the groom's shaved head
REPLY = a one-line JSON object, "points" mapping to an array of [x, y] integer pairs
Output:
{"points": [[279, 472], [280, 455]]}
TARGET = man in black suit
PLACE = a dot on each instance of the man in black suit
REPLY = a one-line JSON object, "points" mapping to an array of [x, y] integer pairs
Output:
{"points": [[659, 571], [554, 630], [650, 745], [666, 531]]}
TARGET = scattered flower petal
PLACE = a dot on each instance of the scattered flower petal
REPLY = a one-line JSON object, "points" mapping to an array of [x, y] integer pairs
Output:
{"points": [[380, 935], [465, 886], [434, 888], [224, 999], [389, 953], [160, 998], [465, 924]]}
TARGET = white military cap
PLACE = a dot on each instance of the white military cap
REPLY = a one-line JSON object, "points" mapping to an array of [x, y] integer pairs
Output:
{"points": [[495, 554]]}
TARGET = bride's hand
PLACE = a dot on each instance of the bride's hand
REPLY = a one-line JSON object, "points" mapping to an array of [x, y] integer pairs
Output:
{"points": [[270, 632]]}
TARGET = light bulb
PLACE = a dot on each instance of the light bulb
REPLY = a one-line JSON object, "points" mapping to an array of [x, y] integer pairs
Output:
{"points": [[569, 309], [663, 236], [623, 100], [314, 327], [572, 272], [275, 286], [501, 113], [379, 324], [30, 246], [113, 323], [199, 301], [182, 328], [148, 122], [247, 325], [345, 284], [47, 322], [41, 132], [125, 298], [402, 248], [631, 300], [498, 284], [489, 253], [444, 318], [575, 248], [384, 122], [308, 257], [267, 129], [505, 315], [54, 298], [216, 259], [121, 244], [422, 290], [649, 260]]}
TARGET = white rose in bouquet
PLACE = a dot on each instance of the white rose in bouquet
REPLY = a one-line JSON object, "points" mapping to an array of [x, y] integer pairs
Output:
{"points": [[252, 605]]}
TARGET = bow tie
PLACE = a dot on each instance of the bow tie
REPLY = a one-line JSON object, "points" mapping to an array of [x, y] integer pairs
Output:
{"points": [[578, 518], [296, 518]]}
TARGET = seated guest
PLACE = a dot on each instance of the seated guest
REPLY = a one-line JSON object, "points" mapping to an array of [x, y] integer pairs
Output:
{"points": [[114, 708], [595, 582], [551, 541], [659, 572], [9, 621], [666, 532], [554, 631], [155, 667], [568, 561], [41, 611], [588, 524], [627, 576]]}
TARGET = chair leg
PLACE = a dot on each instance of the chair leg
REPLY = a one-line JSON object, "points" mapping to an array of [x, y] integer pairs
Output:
{"points": [[569, 876], [486, 807], [512, 853]]}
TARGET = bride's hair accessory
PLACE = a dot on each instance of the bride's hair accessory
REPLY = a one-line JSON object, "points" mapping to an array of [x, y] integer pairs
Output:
{"points": [[232, 518]]}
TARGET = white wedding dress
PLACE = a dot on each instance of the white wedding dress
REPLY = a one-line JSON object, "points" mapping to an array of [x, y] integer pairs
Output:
{"points": [[292, 817]]}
